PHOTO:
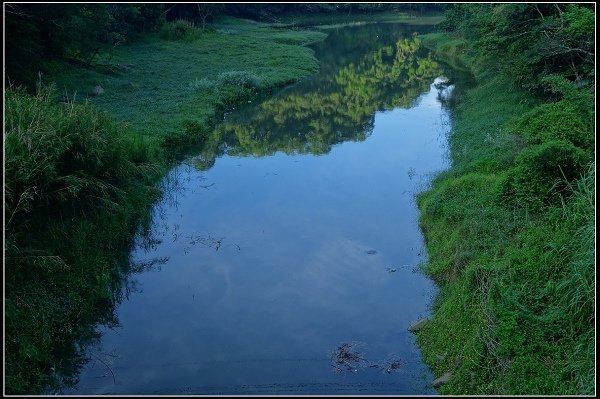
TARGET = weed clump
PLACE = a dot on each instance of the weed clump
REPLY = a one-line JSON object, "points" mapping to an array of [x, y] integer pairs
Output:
{"points": [[570, 119], [239, 78]]}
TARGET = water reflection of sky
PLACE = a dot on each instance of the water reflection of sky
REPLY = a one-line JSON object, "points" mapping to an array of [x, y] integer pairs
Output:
{"points": [[292, 277]]}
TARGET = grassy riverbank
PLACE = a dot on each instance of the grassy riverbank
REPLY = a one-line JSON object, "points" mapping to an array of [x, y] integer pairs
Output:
{"points": [[77, 184], [82, 169], [510, 235], [175, 88]]}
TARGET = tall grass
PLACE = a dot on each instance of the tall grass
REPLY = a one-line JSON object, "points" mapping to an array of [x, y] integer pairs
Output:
{"points": [[577, 288], [76, 183], [67, 156]]}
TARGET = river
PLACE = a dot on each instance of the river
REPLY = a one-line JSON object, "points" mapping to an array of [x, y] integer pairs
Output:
{"points": [[284, 258]]}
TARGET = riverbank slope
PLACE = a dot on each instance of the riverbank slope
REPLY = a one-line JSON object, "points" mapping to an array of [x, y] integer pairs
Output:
{"points": [[510, 234]]}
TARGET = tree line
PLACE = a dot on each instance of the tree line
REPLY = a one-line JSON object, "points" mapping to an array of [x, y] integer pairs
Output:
{"points": [[38, 33], [530, 42]]}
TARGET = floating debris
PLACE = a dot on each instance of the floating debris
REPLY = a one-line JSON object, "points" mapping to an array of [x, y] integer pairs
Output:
{"points": [[391, 365], [391, 269], [370, 252], [144, 266], [348, 357], [208, 241]]}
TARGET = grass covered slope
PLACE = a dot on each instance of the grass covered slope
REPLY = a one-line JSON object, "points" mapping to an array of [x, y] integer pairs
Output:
{"points": [[169, 87], [510, 235]]}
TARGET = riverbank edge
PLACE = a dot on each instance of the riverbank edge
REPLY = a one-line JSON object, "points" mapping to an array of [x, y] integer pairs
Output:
{"points": [[475, 342]]}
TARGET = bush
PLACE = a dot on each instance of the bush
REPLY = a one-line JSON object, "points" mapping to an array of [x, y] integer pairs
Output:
{"points": [[180, 30], [239, 78], [533, 183], [570, 119]]}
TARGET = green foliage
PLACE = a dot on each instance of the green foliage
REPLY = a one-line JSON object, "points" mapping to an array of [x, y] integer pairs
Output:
{"points": [[76, 182], [578, 291], [131, 20], [180, 30], [529, 41], [579, 21], [565, 120], [38, 33], [532, 182], [62, 157], [480, 139], [461, 222], [546, 287], [272, 12]]}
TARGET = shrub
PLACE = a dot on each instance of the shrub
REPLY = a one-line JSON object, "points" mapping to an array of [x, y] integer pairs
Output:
{"points": [[533, 180], [239, 78], [565, 120], [61, 157]]}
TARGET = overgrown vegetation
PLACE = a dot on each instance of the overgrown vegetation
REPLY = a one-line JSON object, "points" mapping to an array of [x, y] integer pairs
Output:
{"points": [[510, 226], [180, 30], [77, 184]]}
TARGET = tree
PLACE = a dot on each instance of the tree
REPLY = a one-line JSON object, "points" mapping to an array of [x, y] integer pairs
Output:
{"points": [[205, 11]]}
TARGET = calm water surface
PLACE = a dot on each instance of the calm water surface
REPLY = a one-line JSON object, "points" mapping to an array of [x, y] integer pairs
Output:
{"points": [[284, 259]]}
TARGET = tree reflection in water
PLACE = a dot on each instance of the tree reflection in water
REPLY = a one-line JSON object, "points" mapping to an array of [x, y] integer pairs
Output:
{"points": [[341, 108]]}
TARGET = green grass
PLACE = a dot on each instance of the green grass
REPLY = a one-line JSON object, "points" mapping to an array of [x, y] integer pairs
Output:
{"points": [[151, 85], [456, 51], [515, 314]]}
